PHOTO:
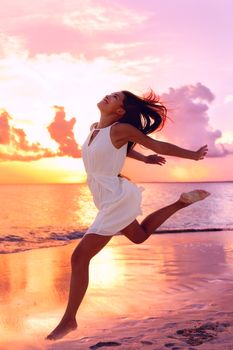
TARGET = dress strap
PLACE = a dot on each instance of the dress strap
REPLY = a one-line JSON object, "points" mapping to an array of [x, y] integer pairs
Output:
{"points": [[106, 126]]}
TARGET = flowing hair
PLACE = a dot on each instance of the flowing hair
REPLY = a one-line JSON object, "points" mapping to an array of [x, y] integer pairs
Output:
{"points": [[146, 113]]}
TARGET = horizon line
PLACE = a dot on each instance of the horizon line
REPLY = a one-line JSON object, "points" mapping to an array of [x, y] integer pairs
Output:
{"points": [[81, 183]]}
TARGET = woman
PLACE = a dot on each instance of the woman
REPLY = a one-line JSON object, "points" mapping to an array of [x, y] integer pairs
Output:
{"points": [[125, 120]]}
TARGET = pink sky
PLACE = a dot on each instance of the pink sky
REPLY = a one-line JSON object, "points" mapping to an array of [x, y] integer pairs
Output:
{"points": [[70, 54]]}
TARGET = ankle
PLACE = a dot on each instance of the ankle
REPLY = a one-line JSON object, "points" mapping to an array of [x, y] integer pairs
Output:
{"points": [[68, 319], [181, 204]]}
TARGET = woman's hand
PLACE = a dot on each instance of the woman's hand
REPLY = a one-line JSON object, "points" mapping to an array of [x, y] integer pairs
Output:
{"points": [[201, 153], [155, 159]]}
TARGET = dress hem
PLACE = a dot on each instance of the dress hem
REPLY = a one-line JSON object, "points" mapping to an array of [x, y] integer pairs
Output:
{"points": [[107, 233]]}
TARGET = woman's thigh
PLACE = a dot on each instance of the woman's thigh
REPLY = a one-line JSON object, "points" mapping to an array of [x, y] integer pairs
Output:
{"points": [[90, 245]]}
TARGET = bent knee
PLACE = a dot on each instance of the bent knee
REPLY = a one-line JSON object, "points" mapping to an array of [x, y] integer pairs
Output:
{"points": [[137, 236], [138, 240], [79, 257]]}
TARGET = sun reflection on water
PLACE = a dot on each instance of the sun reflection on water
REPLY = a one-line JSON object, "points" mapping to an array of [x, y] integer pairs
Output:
{"points": [[105, 271]]}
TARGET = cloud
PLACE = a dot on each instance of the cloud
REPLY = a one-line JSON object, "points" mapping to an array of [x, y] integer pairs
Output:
{"points": [[228, 98], [11, 45], [61, 131], [29, 86], [122, 50], [15, 156], [102, 18], [80, 27], [4, 128], [14, 145], [190, 127]]}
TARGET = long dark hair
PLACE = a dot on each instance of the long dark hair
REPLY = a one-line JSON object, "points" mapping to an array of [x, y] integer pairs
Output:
{"points": [[146, 113]]}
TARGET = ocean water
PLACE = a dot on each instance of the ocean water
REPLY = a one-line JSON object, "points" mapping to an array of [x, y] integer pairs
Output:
{"points": [[36, 216]]}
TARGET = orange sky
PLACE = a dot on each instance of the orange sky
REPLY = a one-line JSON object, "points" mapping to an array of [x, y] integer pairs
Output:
{"points": [[71, 55]]}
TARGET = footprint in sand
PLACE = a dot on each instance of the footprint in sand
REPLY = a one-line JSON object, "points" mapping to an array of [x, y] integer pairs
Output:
{"points": [[104, 343], [202, 334], [146, 342], [172, 346], [169, 345]]}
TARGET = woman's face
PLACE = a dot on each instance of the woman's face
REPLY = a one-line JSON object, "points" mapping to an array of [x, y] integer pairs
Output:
{"points": [[112, 103]]}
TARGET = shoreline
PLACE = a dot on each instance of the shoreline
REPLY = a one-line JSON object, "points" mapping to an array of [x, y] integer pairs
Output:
{"points": [[144, 293], [71, 237]]}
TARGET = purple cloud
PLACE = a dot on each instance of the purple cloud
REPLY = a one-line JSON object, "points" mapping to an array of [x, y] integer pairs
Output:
{"points": [[188, 107]]}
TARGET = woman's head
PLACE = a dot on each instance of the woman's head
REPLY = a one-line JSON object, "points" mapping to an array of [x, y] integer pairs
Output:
{"points": [[145, 113], [112, 105]]}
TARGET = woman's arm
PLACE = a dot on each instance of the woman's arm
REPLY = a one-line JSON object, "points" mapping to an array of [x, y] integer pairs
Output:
{"points": [[136, 155], [151, 159], [130, 133]]}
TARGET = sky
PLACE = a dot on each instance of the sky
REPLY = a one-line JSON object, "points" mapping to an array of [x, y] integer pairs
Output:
{"points": [[59, 58]]}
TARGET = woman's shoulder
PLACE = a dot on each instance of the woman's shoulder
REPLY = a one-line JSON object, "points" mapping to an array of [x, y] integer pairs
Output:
{"points": [[124, 128], [123, 132]]}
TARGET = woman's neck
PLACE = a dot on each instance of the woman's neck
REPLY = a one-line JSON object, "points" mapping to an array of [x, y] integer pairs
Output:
{"points": [[104, 122]]}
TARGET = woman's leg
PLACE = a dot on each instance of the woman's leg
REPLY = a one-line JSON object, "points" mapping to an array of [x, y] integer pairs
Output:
{"points": [[88, 247], [138, 233]]}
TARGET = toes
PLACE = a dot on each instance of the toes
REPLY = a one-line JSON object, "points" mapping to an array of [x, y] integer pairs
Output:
{"points": [[204, 191]]}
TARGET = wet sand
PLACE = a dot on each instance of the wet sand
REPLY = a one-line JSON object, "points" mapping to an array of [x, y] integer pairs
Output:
{"points": [[174, 291]]}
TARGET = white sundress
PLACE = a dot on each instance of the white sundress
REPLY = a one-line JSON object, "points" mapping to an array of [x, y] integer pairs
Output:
{"points": [[118, 200]]}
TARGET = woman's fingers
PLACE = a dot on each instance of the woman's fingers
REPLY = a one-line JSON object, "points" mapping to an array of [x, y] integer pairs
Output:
{"points": [[204, 149], [154, 159], [202, 152]]}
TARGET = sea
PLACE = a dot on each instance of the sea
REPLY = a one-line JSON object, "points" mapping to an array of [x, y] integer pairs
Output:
{"points": [[46, 215]]}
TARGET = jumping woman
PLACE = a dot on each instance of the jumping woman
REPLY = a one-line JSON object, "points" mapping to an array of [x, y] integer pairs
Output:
{"points": [[125, 120]]}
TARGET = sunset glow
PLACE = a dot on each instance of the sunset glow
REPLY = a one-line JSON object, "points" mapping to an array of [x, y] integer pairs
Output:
{"points": [[58, 60]]}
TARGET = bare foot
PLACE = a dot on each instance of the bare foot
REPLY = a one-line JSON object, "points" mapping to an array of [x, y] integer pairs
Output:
{"points": [[193, 196], [62, 329]]}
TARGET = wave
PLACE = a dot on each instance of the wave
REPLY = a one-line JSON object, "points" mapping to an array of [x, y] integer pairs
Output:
{"points": [[204, 229], [19, 244]]}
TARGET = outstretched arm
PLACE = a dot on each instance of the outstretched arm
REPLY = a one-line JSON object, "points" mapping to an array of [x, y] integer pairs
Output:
{"points": [[151, 159], [136, 155], [130, 133]]}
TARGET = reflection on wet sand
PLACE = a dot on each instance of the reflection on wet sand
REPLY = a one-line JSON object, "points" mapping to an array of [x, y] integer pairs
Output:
{"points": [[126, 280]]}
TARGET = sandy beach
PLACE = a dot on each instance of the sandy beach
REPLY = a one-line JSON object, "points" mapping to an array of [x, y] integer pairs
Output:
{"points": [[174, 291]]}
